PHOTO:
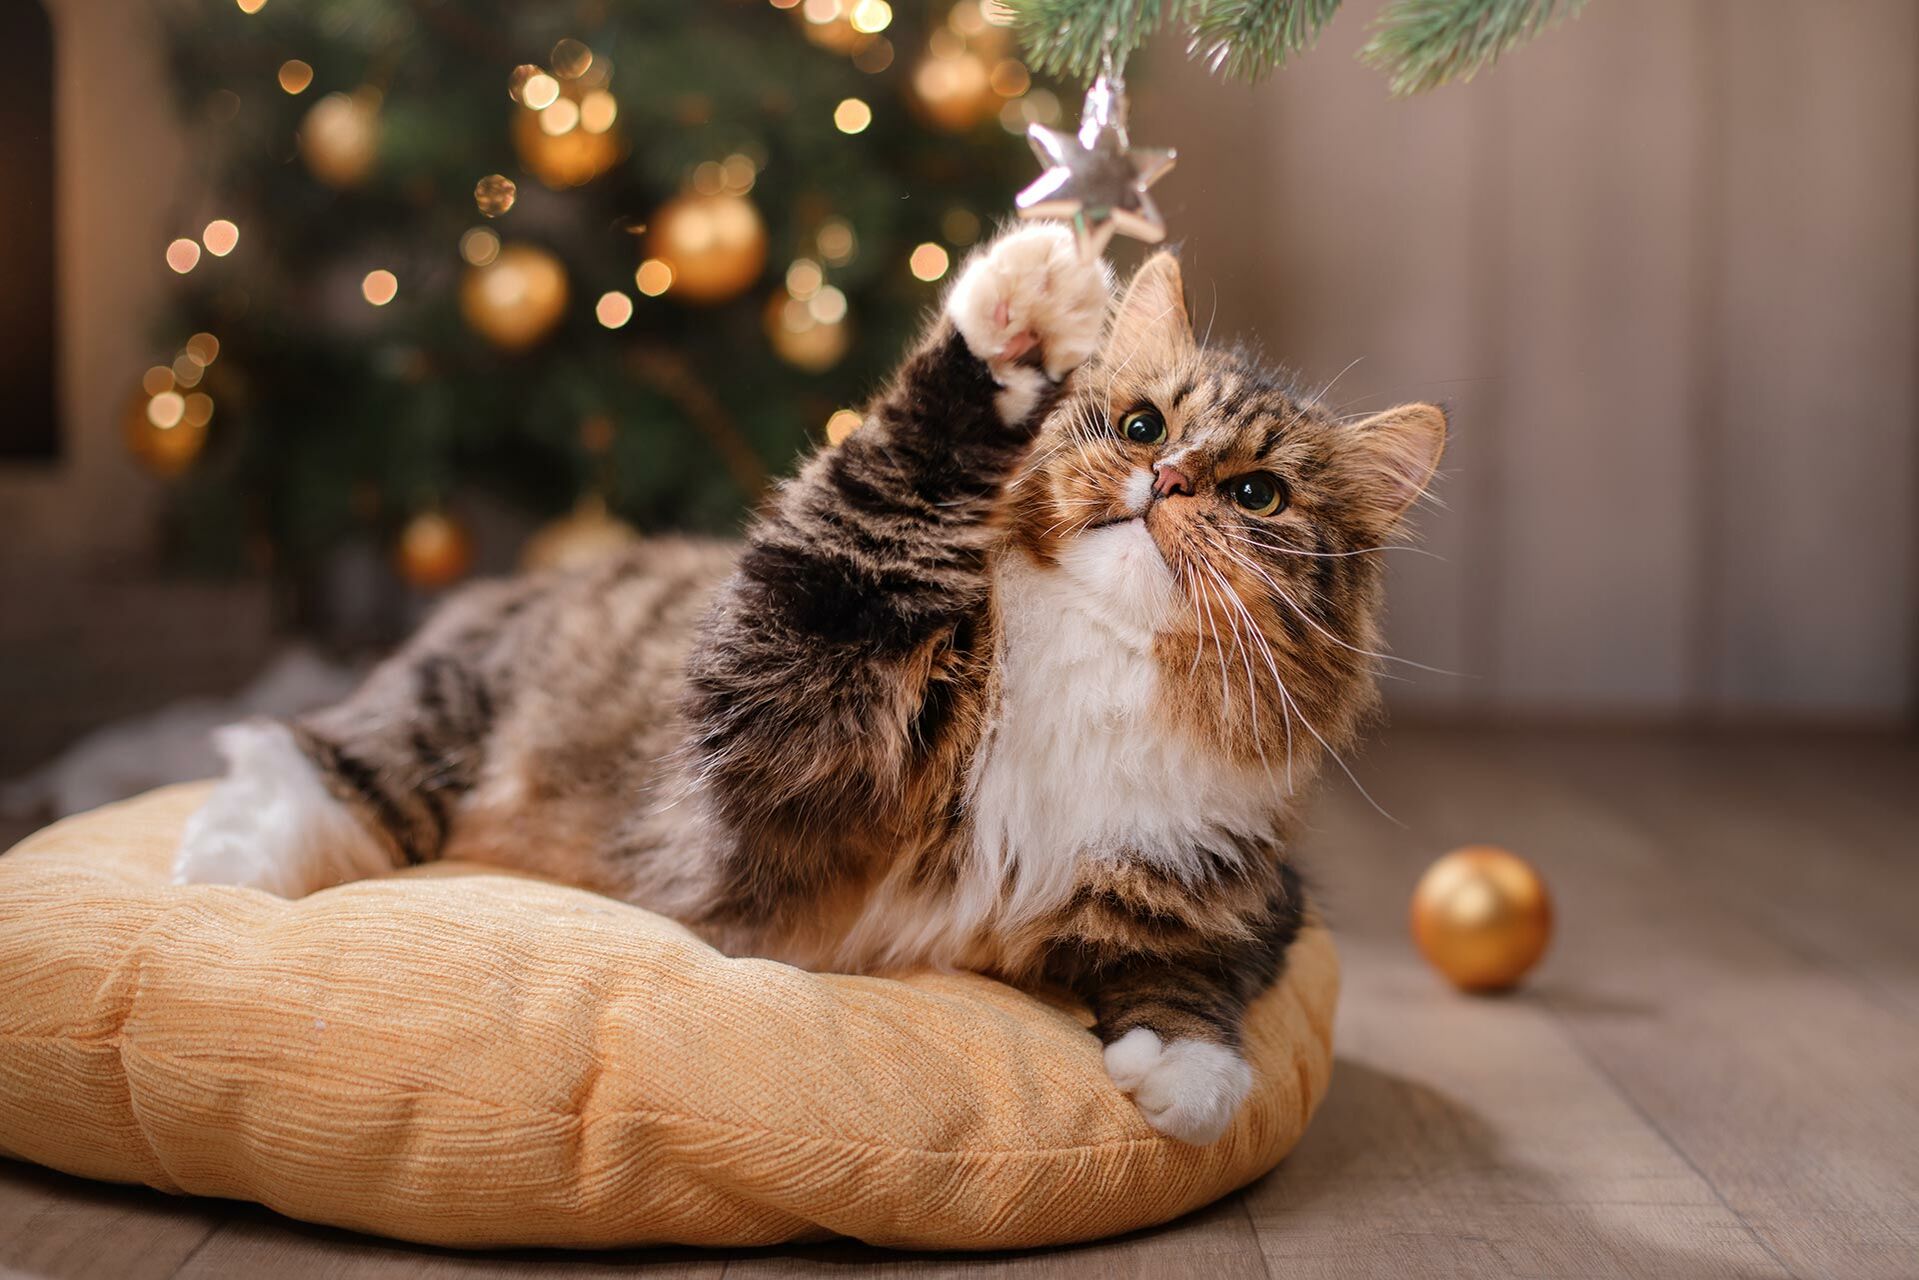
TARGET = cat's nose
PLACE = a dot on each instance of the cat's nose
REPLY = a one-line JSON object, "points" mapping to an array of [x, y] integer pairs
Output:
{"points": [[1169, 480]]}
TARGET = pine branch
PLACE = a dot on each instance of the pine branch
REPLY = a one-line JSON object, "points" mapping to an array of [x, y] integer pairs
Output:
{"points": [[1248, 38], [1422, 44], [1070, 37]]}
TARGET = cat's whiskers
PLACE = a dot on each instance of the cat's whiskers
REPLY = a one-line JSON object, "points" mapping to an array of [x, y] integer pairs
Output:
{"points": [[1252, 688], [1319, 396], [1293, 704], [1325, 555], [1306, 615]]}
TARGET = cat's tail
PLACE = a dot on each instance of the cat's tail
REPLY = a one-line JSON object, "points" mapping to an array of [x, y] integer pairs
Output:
{"points": [[281, 819]]}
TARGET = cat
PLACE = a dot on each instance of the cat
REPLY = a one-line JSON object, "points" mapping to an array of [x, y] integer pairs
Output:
{"points": [[1024, 677]]}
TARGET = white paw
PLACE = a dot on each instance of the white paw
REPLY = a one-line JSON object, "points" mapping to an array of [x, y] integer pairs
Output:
{"points": [[1031, 291], [1189, 1089], [271, 824]]}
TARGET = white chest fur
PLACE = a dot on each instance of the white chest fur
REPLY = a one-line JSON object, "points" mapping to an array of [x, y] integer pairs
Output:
{"points": [[1081, 763]]}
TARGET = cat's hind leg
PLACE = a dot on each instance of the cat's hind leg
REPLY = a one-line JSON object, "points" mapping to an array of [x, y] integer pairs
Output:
{"points": [[273, 823], [370, 784]]}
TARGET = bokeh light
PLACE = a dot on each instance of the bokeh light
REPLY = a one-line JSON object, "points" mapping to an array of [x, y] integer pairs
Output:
{"points": [[479, 246], [960, 226], [870, 17], [540, 91], [842, 424], [875, 57], [166, 409], [203, 349], [852, 116], [929, 261], [220, 236], [380, 287], [653, 278], [804, 278], [561, 117], [598, 110], [495, 194], [295, 76], [836, 241], [571, 59], [613, 309], [183, 255]]}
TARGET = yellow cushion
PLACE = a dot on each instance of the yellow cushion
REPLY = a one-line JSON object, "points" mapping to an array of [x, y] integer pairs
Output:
{"points": [[468, 1058]]}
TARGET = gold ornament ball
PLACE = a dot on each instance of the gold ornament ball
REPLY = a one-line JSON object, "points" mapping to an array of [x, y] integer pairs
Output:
{"points": [[340, 138], [1482, 917], [715, 244], [571, 156], [954, 90], [584, 535], [516, 299], [804, 334], [435, 551]]}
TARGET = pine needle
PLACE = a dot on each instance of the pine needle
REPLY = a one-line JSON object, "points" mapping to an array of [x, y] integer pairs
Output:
{"points": [[1249, 38], [1422, 44], [1070, 37]]}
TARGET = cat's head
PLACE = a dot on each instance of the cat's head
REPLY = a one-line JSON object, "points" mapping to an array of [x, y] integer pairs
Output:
{"points": [[1200, 501]]}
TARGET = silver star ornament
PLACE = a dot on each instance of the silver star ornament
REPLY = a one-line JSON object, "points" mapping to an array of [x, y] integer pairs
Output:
{"points": [[1095, 179]]}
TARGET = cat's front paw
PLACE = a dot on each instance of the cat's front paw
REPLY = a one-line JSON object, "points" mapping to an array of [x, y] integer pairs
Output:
{"points": [[1029, 298], [1189, 1089]]}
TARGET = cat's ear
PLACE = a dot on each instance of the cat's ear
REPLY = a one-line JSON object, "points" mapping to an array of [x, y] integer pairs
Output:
{"points": [[1401, 449], [1151, 323]]}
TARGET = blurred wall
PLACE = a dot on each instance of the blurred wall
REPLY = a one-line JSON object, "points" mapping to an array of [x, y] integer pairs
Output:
{"points": [[87, 632], [117, 160], [1661, 265]]}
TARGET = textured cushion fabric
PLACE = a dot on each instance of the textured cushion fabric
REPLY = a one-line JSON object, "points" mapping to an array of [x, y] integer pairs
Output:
{"points": [[469, 1058]]}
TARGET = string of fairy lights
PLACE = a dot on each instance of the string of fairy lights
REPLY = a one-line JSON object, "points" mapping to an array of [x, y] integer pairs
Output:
{"points": [[706, 245]]}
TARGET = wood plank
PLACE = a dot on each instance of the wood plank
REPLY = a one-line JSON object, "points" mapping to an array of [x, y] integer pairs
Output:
{"points": [[1217, 1241], [1782, 830], [1596, 219], [256, 1242], [1791, 1090], [1816, 368], [53, 1225], [1467, 1136]]}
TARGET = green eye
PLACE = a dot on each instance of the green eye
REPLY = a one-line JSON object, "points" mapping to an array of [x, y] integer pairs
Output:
{"points": [[1260, 492], [1143, 426]]}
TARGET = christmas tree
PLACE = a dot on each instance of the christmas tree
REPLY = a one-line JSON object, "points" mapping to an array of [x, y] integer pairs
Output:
{"points": [[631, 252], [617, 257]]}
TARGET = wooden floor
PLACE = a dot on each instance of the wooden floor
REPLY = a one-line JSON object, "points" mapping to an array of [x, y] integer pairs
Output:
{"points": [[1716, 1072]]}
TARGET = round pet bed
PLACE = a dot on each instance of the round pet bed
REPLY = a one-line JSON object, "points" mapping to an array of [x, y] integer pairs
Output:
{"points": [[462, 1057]]}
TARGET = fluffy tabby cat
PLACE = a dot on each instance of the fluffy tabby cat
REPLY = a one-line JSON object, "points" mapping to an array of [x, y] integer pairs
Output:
{"points": [[1023, 678]]}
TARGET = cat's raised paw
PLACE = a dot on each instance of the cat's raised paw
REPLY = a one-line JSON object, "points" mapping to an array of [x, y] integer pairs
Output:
{"points": [[1030, 298], [1189, 1089]]}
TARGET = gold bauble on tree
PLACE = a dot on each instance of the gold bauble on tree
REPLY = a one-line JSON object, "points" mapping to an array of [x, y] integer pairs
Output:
{"points": [[558, 147], [434, 551], [516, 299], [1482, 917], [715, 245], [587, 533], [953, 90], [340, 137], [808, 333]]}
